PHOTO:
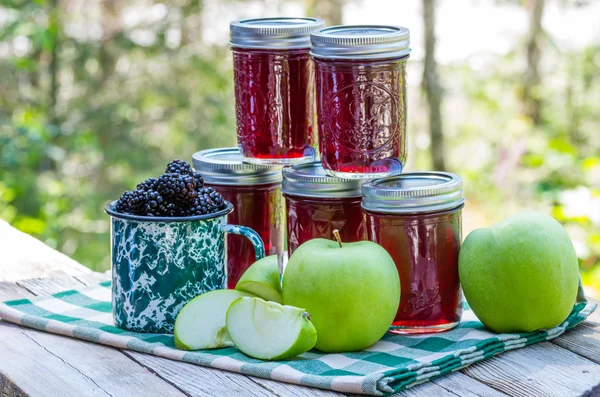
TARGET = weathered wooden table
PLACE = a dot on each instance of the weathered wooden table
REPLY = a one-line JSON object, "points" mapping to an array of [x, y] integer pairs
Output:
{"points": [[34, 363]]}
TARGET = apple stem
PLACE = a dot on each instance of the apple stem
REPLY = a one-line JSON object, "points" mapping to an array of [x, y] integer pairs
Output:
{"points": [[336, 233]]}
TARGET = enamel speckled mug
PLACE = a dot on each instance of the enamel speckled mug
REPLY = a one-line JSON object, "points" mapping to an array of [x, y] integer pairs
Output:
{"points": [[160, 264]]}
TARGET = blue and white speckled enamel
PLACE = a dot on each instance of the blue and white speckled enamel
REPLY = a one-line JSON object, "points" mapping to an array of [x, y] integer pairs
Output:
{"points": [[158, 267]]}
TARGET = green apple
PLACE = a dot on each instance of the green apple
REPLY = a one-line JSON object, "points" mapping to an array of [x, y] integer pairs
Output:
{"points": [[201, 322], [520, 274], [262, 279], [351, 291], [269, 331]]}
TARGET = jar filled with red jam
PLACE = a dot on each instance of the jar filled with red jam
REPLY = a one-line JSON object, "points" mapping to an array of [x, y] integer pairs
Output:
{"points": [[361, 99], [255, 192], [317, 204], [416, 217], [274, 89]]}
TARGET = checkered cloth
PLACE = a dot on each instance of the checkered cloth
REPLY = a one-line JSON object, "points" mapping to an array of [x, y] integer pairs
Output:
{"points": [[392, 364]]}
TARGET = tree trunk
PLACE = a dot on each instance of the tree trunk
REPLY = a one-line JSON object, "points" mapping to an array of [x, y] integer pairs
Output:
{"points": [[53, 67], [531, 80], [431, 86], [331, 11], [191, 22]]}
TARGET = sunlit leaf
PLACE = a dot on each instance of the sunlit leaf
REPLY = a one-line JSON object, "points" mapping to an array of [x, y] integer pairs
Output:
{"points": [[30, 225]]}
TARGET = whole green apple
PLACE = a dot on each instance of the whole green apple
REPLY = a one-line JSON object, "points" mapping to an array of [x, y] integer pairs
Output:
{"points": [[352, 292], [520, 274]]}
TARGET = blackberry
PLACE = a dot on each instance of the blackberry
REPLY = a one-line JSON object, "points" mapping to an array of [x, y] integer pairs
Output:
{"points": [[198, 179], [179, 167], [178, 192], [137, 202], [154, 204], [148, 184], [207, 202], [122, 205], [177, 189], [173, 210], [215, 197]]}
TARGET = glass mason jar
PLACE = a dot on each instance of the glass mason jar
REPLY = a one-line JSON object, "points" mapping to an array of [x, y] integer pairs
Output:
{"points": [[361, 99], [317, 204], [274, 89], [255, 192], [416, 217]]}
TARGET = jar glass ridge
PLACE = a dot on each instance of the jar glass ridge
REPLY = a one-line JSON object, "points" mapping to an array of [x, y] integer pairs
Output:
{"points": [[362, 116], [417, 218], [274, 89], [425, 248], [361, 99]]}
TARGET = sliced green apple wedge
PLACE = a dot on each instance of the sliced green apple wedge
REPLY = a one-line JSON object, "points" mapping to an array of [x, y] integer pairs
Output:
{"points": [[269, 331], [262, 279], [201, 322]]}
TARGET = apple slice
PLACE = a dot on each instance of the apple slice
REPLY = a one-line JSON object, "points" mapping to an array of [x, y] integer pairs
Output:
{"points": [[201, 322], [262, 279], [269, 331]]}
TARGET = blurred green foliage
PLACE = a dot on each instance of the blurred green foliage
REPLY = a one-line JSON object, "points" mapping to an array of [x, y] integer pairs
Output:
{"points": [[120, 112], [88, 110]]}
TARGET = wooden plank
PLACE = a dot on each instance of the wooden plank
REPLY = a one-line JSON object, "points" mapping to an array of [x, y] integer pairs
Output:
{"points": [[10, 290], [36, 371], [9, 389], [455, 384], [193, 379], [108, 370], [287, 389], [429, 389], [461, 384], [200, 381], [24, 256], [51, 285], [93, 277], [583, 340], [542, 370]]}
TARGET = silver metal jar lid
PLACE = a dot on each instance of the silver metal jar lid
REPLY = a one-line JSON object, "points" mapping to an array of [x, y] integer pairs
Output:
{"points": [[311, 180], [413, 193], [360, 42], [224, 166], [278, 33]]}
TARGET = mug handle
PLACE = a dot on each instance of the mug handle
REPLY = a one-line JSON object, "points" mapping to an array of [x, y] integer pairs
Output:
{"points": [[259, 247]]}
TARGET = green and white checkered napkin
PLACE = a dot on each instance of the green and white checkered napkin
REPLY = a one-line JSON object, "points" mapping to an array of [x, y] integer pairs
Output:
{"points": [[392, 364]]}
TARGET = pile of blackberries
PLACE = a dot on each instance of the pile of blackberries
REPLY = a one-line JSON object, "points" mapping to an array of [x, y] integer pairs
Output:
{"points": [[178, 192]]}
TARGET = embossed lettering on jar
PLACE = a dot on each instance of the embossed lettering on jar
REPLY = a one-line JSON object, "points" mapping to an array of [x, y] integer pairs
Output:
{"points": [[416, 217], [361, 99], [274, 89]]}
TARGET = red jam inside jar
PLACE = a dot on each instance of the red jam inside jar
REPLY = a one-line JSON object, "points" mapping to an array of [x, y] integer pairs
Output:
{"points": [[255, 192], [416, 217], [274, 89], [361, 99], [317, 204]]}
